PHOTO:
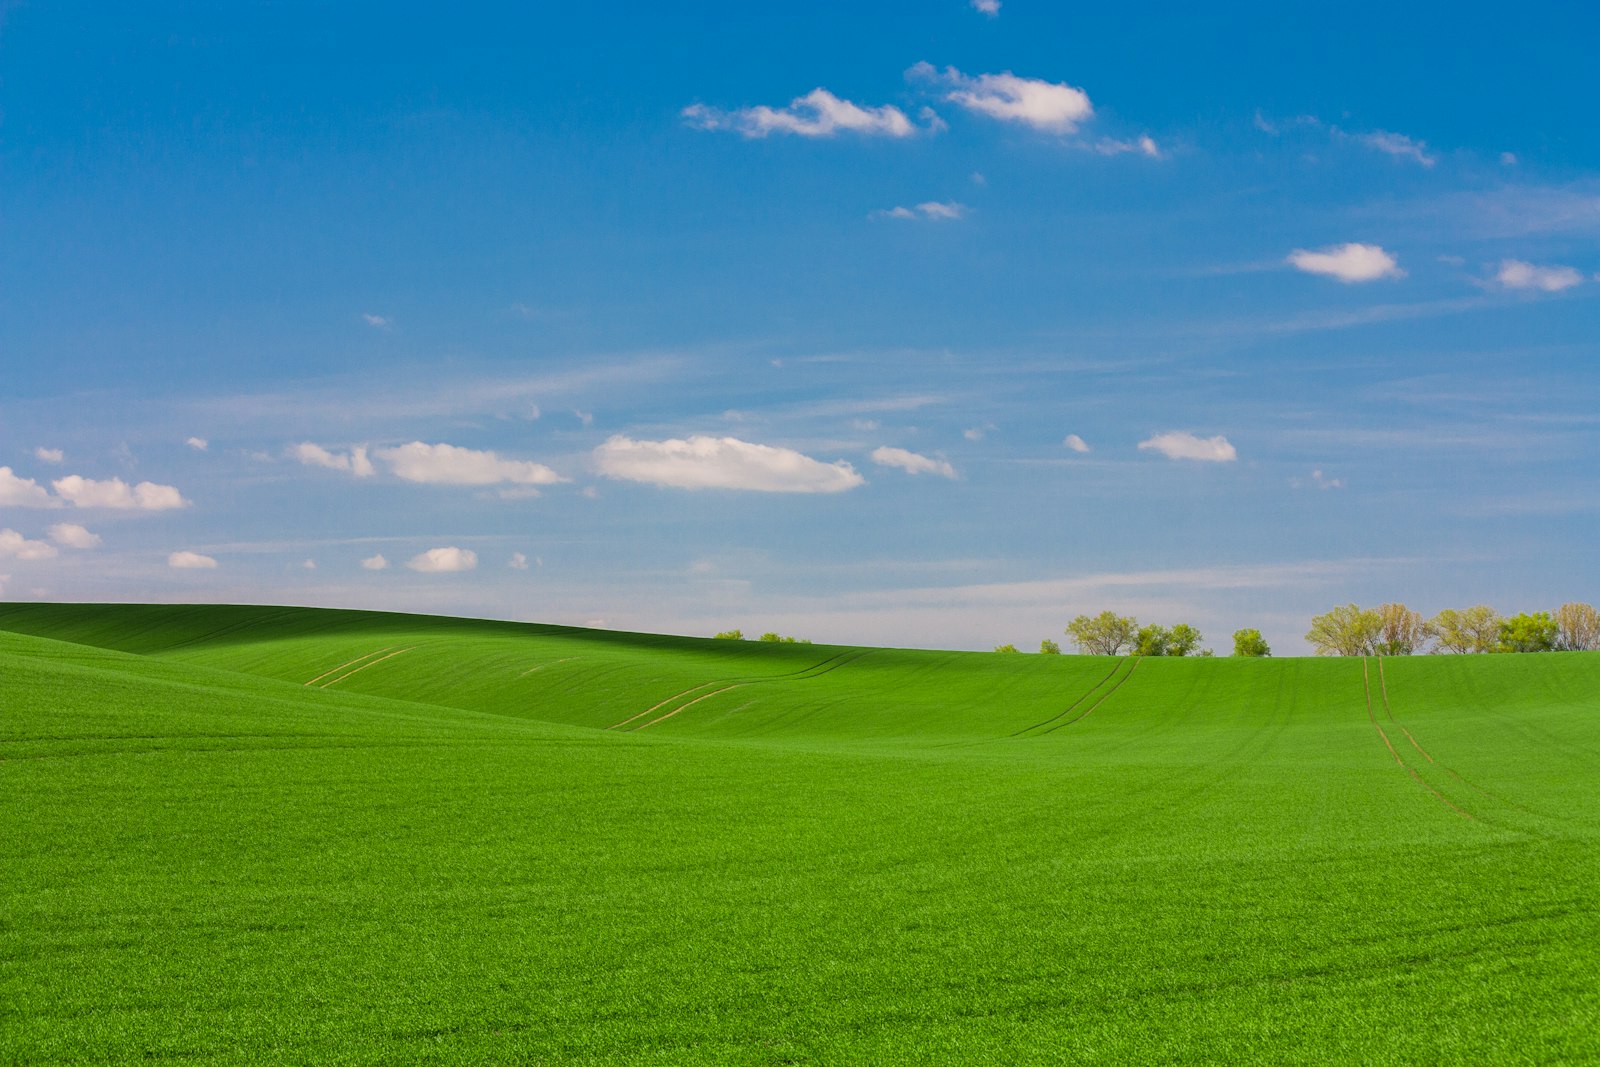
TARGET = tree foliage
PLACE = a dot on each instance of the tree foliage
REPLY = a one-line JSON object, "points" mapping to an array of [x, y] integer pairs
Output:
{"points": [[1005, 648], [1528, 632], [730, 635], [1402, 632], [1474, 629], [1152, 640], [1577, 628], [1048, 647], [776, 639], [1183, 640], [1107, 634], [1250, 643], [1345, 631]]}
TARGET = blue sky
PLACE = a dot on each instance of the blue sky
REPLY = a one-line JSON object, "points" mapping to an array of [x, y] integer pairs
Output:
{"points": [[913, 324]]}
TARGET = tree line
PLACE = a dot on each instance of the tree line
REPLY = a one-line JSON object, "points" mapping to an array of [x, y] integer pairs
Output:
{"points": [[1396, 630], [1347, 630], [1110, 634]]}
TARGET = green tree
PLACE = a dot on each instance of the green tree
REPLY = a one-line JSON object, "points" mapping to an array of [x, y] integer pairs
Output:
{"points": [[1005, 648], [1402, 631], [1578, 627], [1250, 643], [730, 635], [1345, 631], [1524, 632], [1049, 648], [1152, 640], [1107, 634], [1183, 640], [1475, 629]]}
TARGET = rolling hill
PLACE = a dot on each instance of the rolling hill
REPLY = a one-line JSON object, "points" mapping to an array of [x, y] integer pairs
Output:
{"points": [[258, 834]]}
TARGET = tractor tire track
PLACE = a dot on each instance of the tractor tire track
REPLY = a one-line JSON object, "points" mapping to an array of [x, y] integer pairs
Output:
{"points": [[1091, 709], [1366, 685], [692, 703], [542, 666], [1383, 689], [815, 670], [364, 666], [1069, 708], [352, 663]]}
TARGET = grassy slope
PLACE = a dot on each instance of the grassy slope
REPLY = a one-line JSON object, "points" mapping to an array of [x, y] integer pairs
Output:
{"points": [[890, 857]]}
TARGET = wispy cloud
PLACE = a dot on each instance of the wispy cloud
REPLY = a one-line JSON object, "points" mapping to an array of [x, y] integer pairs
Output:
{"points": [[1076, 444], [722, 463], [49, 455], [199, 444], [1347, 263], [377, 322], [1180, 444], [816, 114], [912, 462], [1144, 145], [987, 7], [1398, 145], [1054, 107], [375, 563], [934, 210], [184, 560]]}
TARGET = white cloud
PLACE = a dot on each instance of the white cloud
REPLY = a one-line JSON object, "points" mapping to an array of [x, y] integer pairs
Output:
{"points": [[519, 562], [19, 492], [973, 434], [817, 114], [444, 464], [987, 7], [722, 463], [374, 563], [1179, 444], [191, 561], [308, 565], [73, 535], [1076, 443], [377, 322], [911, 462], [444, 560], [14, 546], [1516, 274], [585, 417], [115, 493], [933, 210], [354, 462], [1322, 481], [1399, 146], [49, 455], [1144, 144], [199, 444], [1052, 106], [1348, 263], [1508, 159]]}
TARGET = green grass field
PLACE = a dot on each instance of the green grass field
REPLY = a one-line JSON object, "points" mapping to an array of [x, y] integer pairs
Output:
{"points": [[305, 836]]}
